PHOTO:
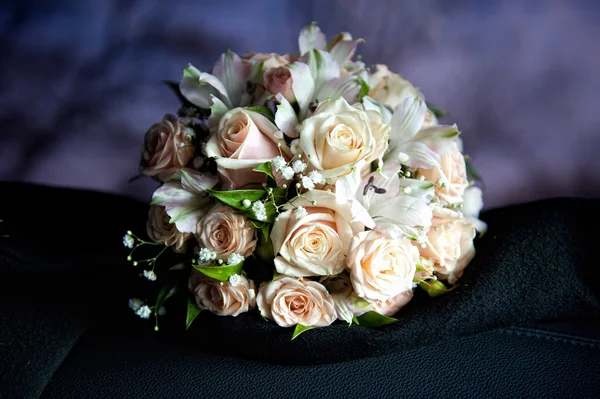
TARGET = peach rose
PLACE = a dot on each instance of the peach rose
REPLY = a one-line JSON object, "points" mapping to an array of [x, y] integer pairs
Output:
{"points": [[394, 304], [168, 146], [390, 89], [450, 179], [244, 140], [381, 267], [279, 80], [450, 245], [337, 137], [161, 231], [269, 60], [314, 244], [223, 298], [225, 232], [289, 301]]}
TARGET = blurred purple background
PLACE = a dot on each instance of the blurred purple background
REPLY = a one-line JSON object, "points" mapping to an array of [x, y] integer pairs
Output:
{"points": [[80, 81]]}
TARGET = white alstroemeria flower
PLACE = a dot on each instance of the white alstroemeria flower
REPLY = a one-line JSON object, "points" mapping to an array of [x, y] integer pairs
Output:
{"points": [[394, 212], [341, 47], [186, 201], [411, 145], [222, 90]]}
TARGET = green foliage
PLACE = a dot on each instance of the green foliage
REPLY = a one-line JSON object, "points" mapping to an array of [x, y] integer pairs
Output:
{"points": [[192, 312], [374, 319], [299, 330], [221, 273], [235, 198]]}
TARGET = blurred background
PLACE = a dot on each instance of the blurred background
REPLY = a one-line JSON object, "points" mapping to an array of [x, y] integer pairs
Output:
{"points": [[80, 81]]}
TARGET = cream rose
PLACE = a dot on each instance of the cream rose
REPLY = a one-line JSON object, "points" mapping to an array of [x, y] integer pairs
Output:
{"points": [[289, 301], [279, 80], [223, 298], [244, 140], [394, 304], [269, 60], [390, 89], [450, 245], [168, 146], [316, 243], [225, 232], [450, 179], [381, 267], [337, 137], [161, 231]]}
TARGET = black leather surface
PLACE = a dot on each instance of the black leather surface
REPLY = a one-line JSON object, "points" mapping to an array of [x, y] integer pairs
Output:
{"points": [[66, 331]]}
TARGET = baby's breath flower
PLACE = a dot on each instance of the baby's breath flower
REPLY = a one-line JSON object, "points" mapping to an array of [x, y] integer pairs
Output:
{"points": [[307, 183], [259, 210], [278, 163], [150, 275], [144, 312], [287, 173], [205, 256], [234, 259], [407, 190], [316, 177], [135, 304], [295, 147], [128, 240], [403, 157], [300, 212], [247, 203], [298, 166], [442, 182], [235, 279]]}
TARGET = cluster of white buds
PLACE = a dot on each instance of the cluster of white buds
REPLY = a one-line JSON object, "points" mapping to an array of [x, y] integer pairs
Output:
{"points": [[300, 212], [150, 275], [128, 240], [234, 259], [259, 210], [206, 256]]}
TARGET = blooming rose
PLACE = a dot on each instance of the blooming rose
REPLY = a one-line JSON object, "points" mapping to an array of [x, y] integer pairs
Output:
{"points": [[269, 60], [394, 304], [223, 298], [279, 80], [168, 146], [389, 88], [450, 244], [244, 140], [337, 137], [316, 243], [225, 232], [381, 267], [289, 301], [161, 231], [451, 178]]}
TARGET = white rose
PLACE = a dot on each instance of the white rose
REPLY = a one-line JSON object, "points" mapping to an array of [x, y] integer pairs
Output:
{"points": [[390, 89], [289, 301], [450, 179], [337, 137], [316, 243], [450, 245], [223, 298], [381, 267], [244, 140], [394, 304]]}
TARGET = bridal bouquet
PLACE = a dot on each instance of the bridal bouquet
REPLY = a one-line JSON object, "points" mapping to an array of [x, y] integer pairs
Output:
{"points": [[309, 187]]}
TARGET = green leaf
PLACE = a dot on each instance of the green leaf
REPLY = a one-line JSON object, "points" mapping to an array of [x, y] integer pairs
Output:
{"points": [[164, 294], [192, 312], [364, 87], [267, 168], [221, 273], [355, 321], [280, 195], [235, 198], [257, 72], [471, 171], [264, 111], [374, 319], [437, 111], [434, 288], [300, 329]]}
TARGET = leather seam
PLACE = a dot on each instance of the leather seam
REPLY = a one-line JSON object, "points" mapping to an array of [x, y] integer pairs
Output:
{"points": [[552, 336]]}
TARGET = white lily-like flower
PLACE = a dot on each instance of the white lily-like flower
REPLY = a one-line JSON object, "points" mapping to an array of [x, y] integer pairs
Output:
{"points": [[187, 200], [225, 86]]}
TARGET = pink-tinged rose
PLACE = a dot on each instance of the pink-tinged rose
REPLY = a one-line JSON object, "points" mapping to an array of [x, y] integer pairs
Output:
{"points": [[390, 89], [337, 137], [223, 298], [381, 267], [244, 140], [394, 304], [290, 301], [450, 178], [269, 60], [225, 232], [161, 231], [168, 146], [314, 244], [450, 245], [279, 80]]}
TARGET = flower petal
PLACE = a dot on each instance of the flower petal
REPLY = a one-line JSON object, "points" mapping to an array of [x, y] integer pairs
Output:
{"points": [[185, 218], [195, 181], [170, 194], [310, 38], [198, 87], [407, 119], [285, 117], [403, 211], [440, 138], [230, 70], [303, 85], [419, 155], [346, 86], [372, 105]]}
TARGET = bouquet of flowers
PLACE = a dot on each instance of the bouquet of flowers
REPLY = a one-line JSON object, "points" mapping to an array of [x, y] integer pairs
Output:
{"points": [[309, 187]]}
